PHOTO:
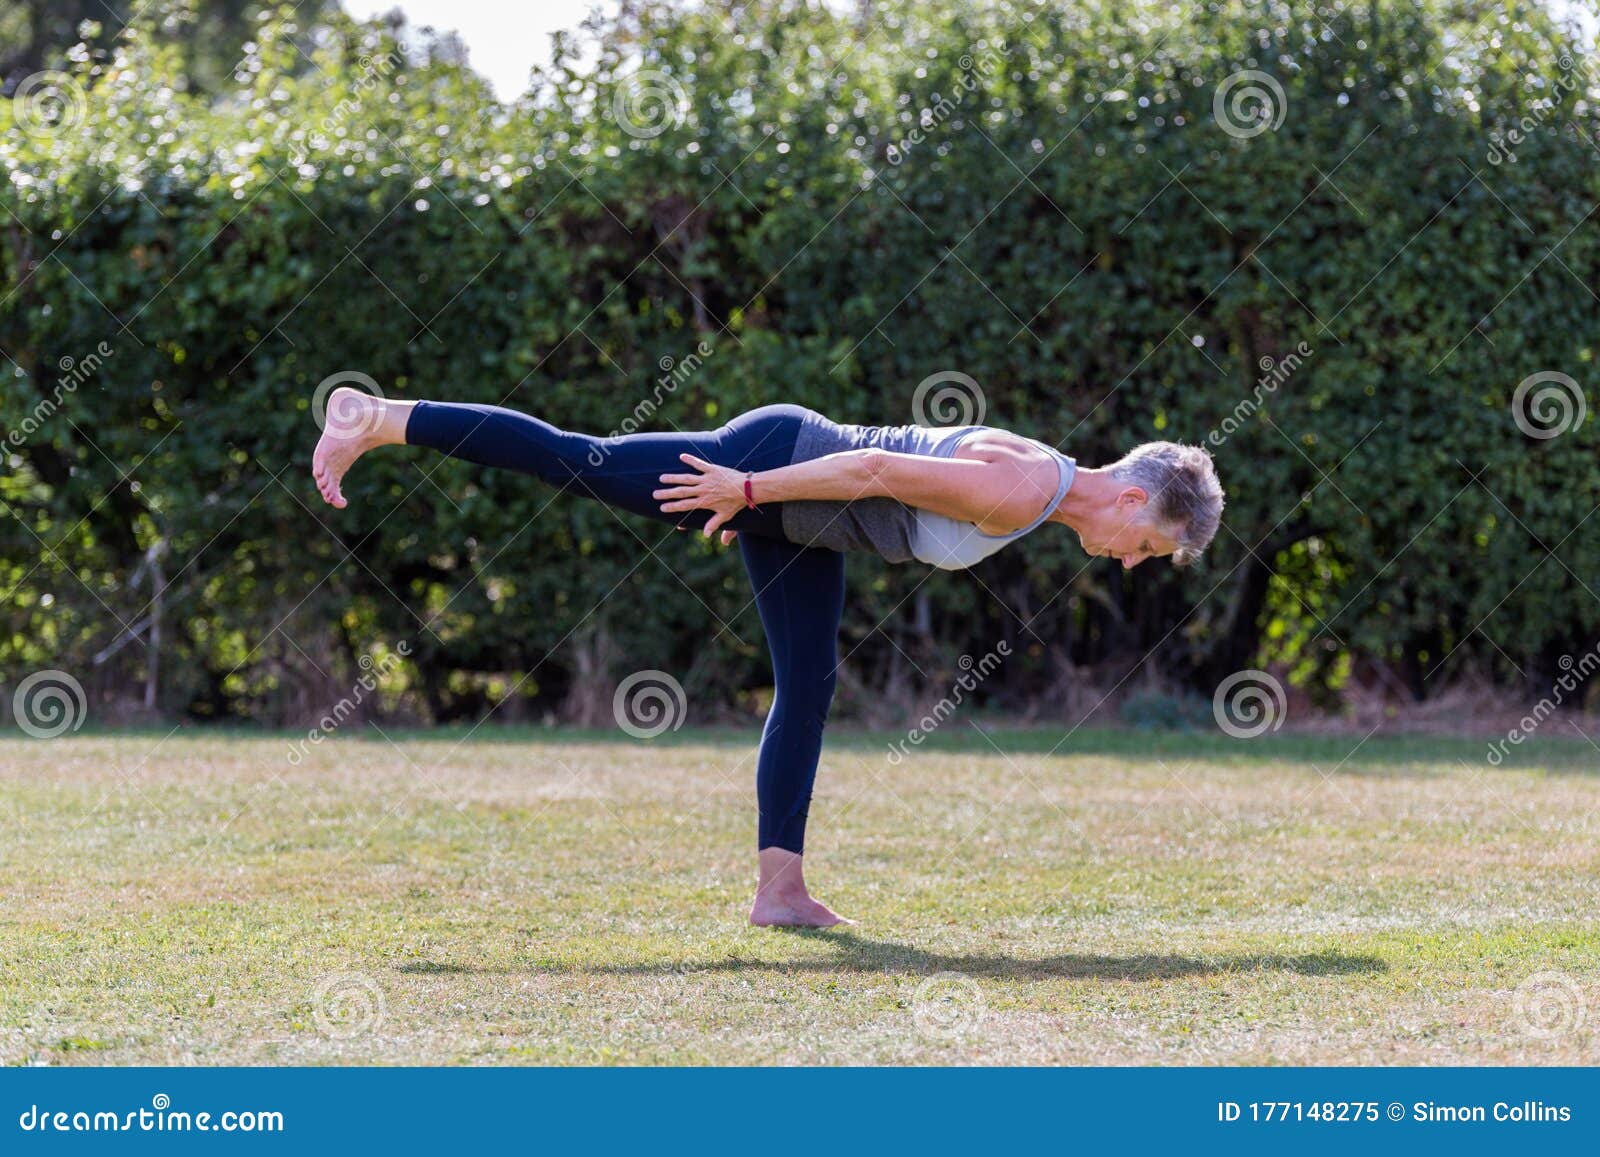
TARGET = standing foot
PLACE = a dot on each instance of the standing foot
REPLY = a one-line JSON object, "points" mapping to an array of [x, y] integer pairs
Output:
{"points": [[797, 912], [781, 897]]}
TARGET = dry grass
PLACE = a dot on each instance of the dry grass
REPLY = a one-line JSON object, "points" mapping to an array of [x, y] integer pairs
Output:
{"points": [[537, 898]]}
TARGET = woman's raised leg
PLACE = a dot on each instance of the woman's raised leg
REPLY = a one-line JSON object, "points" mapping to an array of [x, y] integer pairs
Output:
{"points": [[622, 471]]}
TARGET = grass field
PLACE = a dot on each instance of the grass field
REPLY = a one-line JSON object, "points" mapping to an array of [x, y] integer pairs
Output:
{"points": [[539, 897]]}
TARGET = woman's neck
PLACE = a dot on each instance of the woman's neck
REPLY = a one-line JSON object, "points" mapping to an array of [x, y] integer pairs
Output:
{"points": [[1091, 490]]}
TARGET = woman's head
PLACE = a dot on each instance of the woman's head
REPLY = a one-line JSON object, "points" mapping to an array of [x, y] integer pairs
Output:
{"points": [[1166, 499]]}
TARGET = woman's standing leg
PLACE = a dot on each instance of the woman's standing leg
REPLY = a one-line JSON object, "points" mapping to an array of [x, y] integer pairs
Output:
{"points": [[800, 595]]}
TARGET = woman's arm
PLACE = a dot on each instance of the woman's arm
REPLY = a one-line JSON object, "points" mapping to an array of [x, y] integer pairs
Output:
{"points": [[999, 488]]}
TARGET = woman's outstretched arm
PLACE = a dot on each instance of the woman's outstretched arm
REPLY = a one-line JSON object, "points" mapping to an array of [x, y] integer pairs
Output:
{"points": [[1004, 487]]}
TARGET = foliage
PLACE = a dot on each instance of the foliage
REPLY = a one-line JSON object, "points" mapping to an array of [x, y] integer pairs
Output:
{"points": [[1149, 709], [1041, 198]]}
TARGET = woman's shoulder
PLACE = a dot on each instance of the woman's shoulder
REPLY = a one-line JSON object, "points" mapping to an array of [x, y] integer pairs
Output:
{"points": [[985, 441]]}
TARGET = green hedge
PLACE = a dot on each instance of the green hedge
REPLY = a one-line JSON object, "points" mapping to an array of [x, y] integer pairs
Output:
{"points": [[1043, 199]]}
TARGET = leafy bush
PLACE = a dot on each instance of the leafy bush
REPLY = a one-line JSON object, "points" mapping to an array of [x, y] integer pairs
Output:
{"points": [[1149, 709], [1046, 200]]}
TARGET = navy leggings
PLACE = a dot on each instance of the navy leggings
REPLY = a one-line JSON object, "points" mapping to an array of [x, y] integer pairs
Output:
{"points": [[799, 590]]}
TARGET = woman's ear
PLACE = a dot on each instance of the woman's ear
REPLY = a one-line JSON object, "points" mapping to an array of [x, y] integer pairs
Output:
{"points": [[1132, 499]]}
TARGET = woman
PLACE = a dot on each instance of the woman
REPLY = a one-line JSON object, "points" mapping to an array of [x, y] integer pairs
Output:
{"points": [[797, 490]]}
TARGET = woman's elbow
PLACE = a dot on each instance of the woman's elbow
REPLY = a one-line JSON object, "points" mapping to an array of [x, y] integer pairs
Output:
{"points": [[873, 469]]}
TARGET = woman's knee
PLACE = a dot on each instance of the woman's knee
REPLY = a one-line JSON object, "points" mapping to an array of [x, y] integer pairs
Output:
{"points": [[809, 697]]}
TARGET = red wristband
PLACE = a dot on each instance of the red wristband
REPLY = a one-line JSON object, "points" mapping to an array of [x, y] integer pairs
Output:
{"points": [[749, 493]]}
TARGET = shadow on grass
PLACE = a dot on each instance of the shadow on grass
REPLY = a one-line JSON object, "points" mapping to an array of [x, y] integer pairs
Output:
{"points": [[856, 953]]}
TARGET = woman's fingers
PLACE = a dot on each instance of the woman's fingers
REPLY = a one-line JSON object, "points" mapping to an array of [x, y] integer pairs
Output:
{"points": [[684, 492], [728, 536]]}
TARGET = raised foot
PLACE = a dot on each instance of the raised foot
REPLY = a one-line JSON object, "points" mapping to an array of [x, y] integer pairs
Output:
{"points": [[350, 428], [771, 911]]}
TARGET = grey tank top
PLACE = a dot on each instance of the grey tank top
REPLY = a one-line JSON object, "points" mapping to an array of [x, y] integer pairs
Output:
{"points": [[884, 526]]}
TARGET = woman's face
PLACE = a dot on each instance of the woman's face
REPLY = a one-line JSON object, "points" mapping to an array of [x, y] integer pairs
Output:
{"points": [[1121, 531]]}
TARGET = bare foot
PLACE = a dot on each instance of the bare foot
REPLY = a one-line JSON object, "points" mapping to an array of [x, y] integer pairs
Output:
{"points": [[781, 897], [773, 911], [352, 425]]}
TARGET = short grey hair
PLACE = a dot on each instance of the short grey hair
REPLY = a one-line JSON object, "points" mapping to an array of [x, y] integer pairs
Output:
{"points": [[1186, 498]]}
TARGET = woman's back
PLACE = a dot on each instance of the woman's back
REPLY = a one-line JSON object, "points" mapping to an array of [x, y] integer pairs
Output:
{"points": [[884, 526]]}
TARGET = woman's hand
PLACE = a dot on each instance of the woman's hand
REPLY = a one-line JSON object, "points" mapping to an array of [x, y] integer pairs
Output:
{"points": [[715, 488]]}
